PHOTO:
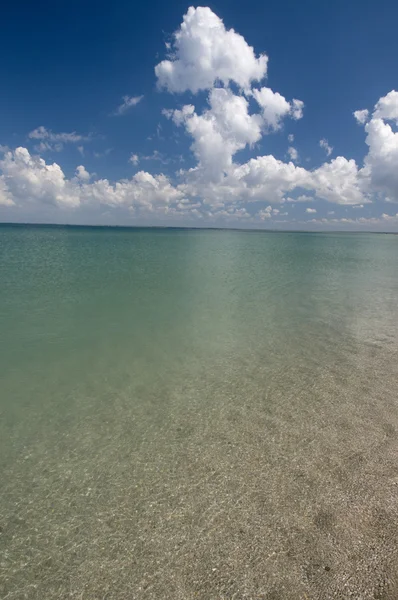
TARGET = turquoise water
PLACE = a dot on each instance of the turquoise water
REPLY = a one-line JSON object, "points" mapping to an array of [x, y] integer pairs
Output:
{"points": [[182, 409]]}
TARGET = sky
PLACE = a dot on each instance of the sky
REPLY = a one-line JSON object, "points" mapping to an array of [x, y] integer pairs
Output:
{"points": [[253, 115]]}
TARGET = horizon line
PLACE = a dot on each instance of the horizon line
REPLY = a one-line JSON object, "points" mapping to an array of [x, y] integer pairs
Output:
{"points": [[189, 228]]}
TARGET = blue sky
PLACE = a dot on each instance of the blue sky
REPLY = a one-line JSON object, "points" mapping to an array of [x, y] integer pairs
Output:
{"points": [[241, 153]]}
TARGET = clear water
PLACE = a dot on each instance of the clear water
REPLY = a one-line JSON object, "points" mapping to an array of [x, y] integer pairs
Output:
{"points": [[197, 414]]}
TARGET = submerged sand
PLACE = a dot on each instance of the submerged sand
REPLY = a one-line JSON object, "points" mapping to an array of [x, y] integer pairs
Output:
{"points": [[236, 489]]}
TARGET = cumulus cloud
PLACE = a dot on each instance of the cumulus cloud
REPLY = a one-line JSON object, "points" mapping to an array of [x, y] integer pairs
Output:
{"points": [[325, 145], [275, 107], [134, 159], [387, 107], [5, 196], [204, 52], [82, 174], [310, 210], [29, 179], [220, 131], [380, 174], [126, 105], [267, 213], [338, 181]]}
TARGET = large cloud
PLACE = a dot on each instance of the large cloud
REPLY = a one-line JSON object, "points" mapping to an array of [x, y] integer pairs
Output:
{"points": [[220, 131], [205, 52], [380, 173]]}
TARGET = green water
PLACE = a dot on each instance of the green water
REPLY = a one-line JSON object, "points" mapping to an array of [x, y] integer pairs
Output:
{"points": [[179, 409]]}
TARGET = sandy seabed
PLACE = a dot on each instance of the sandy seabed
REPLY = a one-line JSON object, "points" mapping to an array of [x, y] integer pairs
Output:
{"points": [[238, 483]]}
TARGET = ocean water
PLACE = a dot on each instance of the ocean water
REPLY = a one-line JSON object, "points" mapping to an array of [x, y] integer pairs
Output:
{"points": [[197, 414]]}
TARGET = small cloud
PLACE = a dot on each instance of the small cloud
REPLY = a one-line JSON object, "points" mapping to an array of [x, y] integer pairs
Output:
{"points": [[41, 133], [104, 153], [81, 150], [302, 198], [292, 153], [82, 174], [324, 144], [134, 159], [358, 206], [48, 147], [266, 213], [330, 212], [128, 102], [310, 211], [297, 109], [290, 138], [361, 116]]}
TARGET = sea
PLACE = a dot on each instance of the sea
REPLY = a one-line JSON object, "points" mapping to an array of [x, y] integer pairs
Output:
{"points": [[197, 413]]}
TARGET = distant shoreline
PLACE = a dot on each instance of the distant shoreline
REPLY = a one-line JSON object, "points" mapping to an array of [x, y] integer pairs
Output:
{"points": [[184, 228]]}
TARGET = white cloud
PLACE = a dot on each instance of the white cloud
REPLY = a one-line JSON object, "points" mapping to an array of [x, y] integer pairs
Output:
{"points": [[5, 196], [134, 159], [292, 153], [338, 181], [361, 116], [310, 210], [380, 173], [27, 179], [127, 104], [387, 107], [297, 109], [54, 142], [220, 131], [290, 138], [205, 52], [275, 107], [325, 145], [82, 174], [302, 198], [267, 213]]}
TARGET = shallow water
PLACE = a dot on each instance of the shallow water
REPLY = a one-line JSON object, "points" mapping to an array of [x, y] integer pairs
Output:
{"points": [[198, 414]]}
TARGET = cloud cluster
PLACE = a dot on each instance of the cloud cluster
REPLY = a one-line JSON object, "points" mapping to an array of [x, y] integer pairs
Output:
{"points": [[206, 56], [29, 180]]}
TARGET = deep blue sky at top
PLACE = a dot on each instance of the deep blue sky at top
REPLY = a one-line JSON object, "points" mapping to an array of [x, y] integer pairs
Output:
{"points": [[66, 65]]}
